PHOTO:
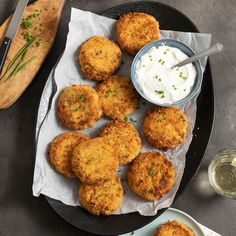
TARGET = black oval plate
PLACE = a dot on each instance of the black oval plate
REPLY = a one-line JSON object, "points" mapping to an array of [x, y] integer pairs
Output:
{"points": [[170, 19]]}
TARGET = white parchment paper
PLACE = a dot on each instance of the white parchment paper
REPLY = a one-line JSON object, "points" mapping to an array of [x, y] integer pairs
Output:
{"points": [[47, 181]]}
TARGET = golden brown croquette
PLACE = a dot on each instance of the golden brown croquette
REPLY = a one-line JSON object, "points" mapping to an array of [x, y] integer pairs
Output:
{"points": [[124, 138], [79, 107], [172, 228], [165, 127], [118, 97], [135, 30], [95, 161], [101, 199], [99, 58], [151, 175], [60, 151]]}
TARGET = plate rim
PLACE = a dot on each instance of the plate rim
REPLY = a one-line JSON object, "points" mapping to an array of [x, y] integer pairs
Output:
{"points": [[187, 216], [180, 190], [169, 212], [149, 2]]}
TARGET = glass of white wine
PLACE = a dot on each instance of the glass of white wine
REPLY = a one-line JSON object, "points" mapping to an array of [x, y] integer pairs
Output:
{"points": [[222, 173]]}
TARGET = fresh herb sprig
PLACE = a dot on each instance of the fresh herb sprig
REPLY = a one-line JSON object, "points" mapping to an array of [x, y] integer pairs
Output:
{"points": [[26, 22], [20, 55], [13, 73], [22, 66]]}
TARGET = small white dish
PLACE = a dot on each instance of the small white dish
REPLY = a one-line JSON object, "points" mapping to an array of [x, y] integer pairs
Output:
{"points": [[168, 215], [186, 50]]}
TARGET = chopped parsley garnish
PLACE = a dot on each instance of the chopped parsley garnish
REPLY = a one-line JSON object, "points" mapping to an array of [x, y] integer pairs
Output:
{"points": [[165, 52], [184, 90], [81, 97], [75, 109], [27, 36], [157, 47], [33, 15], [157, 77], [126, 118], [38, 44], [161, 61], [25, 23], [152, 172], [109, 90], [159, 91], [184, 77], [174, 87]]}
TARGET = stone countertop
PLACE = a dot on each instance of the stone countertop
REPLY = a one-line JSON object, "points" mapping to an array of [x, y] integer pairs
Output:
{"points": [[23, 214]]}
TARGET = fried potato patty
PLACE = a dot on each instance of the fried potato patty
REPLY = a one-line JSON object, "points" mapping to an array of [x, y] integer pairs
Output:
{"points": [[79, 107], [99, 58], [124, 138], [135, 30], [118, 97], [94, 161], [151, 175], [172, 228], [102, 199], [165, 127], [60, 151]]}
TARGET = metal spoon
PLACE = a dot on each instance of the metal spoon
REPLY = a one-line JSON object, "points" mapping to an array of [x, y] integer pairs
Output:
{"points": [[215, 48]]}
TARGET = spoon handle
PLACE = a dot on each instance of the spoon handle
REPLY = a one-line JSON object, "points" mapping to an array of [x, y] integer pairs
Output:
{"points": [[215, 48]]}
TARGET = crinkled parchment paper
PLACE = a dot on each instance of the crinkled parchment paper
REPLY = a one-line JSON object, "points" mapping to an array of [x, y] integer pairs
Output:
{"points": [[47, 181]]}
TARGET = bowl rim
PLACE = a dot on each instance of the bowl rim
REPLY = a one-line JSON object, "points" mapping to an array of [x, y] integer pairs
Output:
{"points": [[199, 76]]}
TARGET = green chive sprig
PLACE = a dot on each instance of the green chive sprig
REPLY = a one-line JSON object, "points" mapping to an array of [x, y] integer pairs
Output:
{"points": [[20, 55]]}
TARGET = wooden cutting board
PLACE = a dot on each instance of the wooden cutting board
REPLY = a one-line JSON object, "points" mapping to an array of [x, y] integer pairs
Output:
{"points": [[42, 19]]}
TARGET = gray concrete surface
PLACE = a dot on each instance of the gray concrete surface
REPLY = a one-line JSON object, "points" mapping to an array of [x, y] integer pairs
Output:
{"points": [[22, 214]]}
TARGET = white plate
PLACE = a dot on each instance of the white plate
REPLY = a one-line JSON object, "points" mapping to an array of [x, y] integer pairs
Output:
{"points": [[170, 214]]}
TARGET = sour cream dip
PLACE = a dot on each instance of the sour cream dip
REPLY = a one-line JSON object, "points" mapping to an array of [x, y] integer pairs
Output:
{"points": [[158, 81]]}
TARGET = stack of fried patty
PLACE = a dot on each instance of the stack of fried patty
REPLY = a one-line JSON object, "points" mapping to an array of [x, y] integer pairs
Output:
{"points": [[95, 162]]}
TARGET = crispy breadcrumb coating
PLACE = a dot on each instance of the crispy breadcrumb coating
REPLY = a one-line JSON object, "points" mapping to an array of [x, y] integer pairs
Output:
{"points": [[165, 127], [151, 175]]}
